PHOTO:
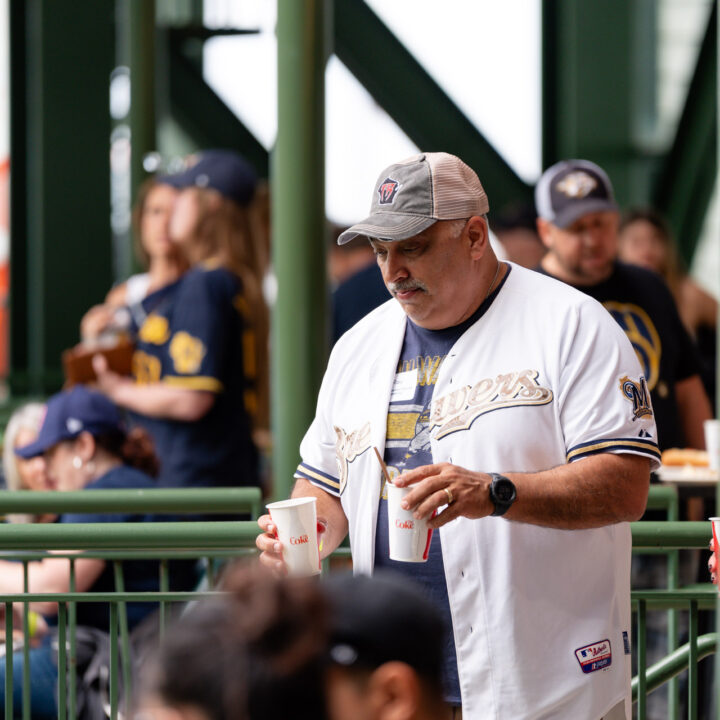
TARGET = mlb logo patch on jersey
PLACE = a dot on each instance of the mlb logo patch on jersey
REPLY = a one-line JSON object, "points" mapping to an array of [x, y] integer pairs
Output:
{"points": [[387, 191], [594, 657]]}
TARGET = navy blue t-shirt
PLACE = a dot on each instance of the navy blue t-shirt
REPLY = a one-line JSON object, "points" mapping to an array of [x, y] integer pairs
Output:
{"points": [[138, 575], [407, 446], [197, 336]]}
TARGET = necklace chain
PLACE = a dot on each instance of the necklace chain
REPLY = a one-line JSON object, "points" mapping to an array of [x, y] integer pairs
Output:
{"points": [[497, 271]]}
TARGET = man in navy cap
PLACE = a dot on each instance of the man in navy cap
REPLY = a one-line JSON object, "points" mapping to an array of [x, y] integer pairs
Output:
{"points": [[578, 223]]}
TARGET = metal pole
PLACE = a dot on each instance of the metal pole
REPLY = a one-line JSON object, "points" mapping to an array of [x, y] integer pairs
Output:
{"points": [[298, 214], [132, 92], [716, 684]]}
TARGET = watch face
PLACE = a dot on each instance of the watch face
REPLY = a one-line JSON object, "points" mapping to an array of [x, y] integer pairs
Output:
{"points": [[504, 490]]}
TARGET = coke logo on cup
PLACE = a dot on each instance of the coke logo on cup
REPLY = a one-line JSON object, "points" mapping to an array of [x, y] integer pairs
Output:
{"points": [[404, 524], [302, 540]]}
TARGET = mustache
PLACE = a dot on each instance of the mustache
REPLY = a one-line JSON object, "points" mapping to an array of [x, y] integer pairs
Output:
{"points": [[405, 286]]}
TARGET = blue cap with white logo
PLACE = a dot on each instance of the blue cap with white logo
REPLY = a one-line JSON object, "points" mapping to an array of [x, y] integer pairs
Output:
{"points": [[70, 413]]}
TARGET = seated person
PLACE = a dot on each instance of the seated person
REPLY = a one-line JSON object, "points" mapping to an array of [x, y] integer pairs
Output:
{"points": [[85, 447], [21, 474]]}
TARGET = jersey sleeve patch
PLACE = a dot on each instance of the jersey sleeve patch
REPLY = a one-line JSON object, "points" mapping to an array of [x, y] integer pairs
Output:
{"points": [[636, 445], [197, 382], [318, 478], [187, 353]]}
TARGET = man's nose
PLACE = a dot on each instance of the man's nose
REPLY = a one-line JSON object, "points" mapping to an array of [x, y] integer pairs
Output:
{"points": [[394, 268]]}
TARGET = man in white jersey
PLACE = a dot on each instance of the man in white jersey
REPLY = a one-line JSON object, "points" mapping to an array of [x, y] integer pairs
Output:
{"points": [[515, 407]]}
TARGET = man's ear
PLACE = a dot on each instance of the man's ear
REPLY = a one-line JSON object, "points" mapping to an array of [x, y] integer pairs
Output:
{"points": [[394, 692], [544, 229], [478, 235]]}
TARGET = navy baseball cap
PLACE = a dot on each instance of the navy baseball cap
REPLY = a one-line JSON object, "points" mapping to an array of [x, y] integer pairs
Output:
{"points": [[573, 188], [70, 413], [383, 618], [222, 170]]}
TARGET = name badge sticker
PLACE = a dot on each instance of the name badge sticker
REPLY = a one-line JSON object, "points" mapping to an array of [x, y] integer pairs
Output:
{"points": [[404, 386], [594, 657]]}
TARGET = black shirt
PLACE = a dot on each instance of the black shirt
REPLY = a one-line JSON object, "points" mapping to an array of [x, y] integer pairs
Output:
{"points": [[643, 306]]}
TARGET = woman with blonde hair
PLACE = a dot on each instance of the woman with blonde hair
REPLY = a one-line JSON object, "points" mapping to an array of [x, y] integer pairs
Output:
{"points": [[201, 357], [22, 474]]}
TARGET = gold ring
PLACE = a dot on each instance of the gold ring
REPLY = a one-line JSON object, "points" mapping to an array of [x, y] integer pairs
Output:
{"points": [[449, 495]]}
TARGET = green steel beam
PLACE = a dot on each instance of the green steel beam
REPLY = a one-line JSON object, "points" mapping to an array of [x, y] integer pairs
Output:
{"points": [[299, 338], [688, 175], [415, 101], [60, 230], [594, 72], [199, 110]]}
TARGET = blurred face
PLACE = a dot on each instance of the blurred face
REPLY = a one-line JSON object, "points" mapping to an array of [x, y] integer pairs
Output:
{"points": [[33, 474], [60, 469], [347, 698], [433, 275], [186, 216], [155, 222], [582, 253], [642, 244]]}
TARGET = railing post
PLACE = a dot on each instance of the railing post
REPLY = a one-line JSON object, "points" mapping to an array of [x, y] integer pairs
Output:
{"points": [[693, 662], [642, 662]]}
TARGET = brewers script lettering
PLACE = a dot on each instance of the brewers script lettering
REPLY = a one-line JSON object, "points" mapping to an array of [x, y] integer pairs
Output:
{"points": [[459, 409]]}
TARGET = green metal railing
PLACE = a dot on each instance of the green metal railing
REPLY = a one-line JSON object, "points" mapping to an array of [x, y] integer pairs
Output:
{"points": [[172, 501], [117, 542]]}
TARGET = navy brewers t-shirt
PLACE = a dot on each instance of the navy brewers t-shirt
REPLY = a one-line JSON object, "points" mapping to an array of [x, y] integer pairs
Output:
{"points": [[407, 446]]}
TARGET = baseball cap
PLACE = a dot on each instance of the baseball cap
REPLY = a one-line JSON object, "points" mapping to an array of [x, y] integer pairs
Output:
{"points": [[411, 195], [572, 188], [384, 618], [222, 170], [70, 413]]}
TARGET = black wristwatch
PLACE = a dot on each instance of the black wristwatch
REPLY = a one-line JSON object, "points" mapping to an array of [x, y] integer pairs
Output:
{"points": [[502, 493]]}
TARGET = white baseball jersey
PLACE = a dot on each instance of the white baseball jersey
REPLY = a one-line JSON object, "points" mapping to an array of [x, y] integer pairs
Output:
{"points": [[541, 617]]}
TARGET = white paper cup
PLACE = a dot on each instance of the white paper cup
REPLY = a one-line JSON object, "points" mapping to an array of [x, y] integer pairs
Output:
{"points": [[409, 537], [712, 442], [296, 523], [716, 532]]}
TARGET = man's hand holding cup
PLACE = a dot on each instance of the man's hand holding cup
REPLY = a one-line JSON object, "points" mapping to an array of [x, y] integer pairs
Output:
{"points": [[291, 541]]}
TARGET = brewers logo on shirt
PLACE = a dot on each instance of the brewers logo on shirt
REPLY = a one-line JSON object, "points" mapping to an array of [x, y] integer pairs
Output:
{"points": [[154, 330], [638, 394], [186, 352]]}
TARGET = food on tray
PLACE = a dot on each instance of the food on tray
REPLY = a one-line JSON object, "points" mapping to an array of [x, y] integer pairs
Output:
{"points": [[685, 456]]}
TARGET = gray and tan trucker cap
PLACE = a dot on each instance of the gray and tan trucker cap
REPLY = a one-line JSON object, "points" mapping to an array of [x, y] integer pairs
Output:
{"points": [[411, 195]]}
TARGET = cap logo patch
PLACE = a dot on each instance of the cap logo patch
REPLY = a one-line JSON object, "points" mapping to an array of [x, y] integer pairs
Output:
{"points": [[577, 185], [73, 425], [387, 191], [202, 180]]}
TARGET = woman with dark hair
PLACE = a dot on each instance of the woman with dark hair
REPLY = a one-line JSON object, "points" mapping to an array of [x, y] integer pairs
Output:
{"points": [[200, 365], [646, 240], [85, 447]]}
